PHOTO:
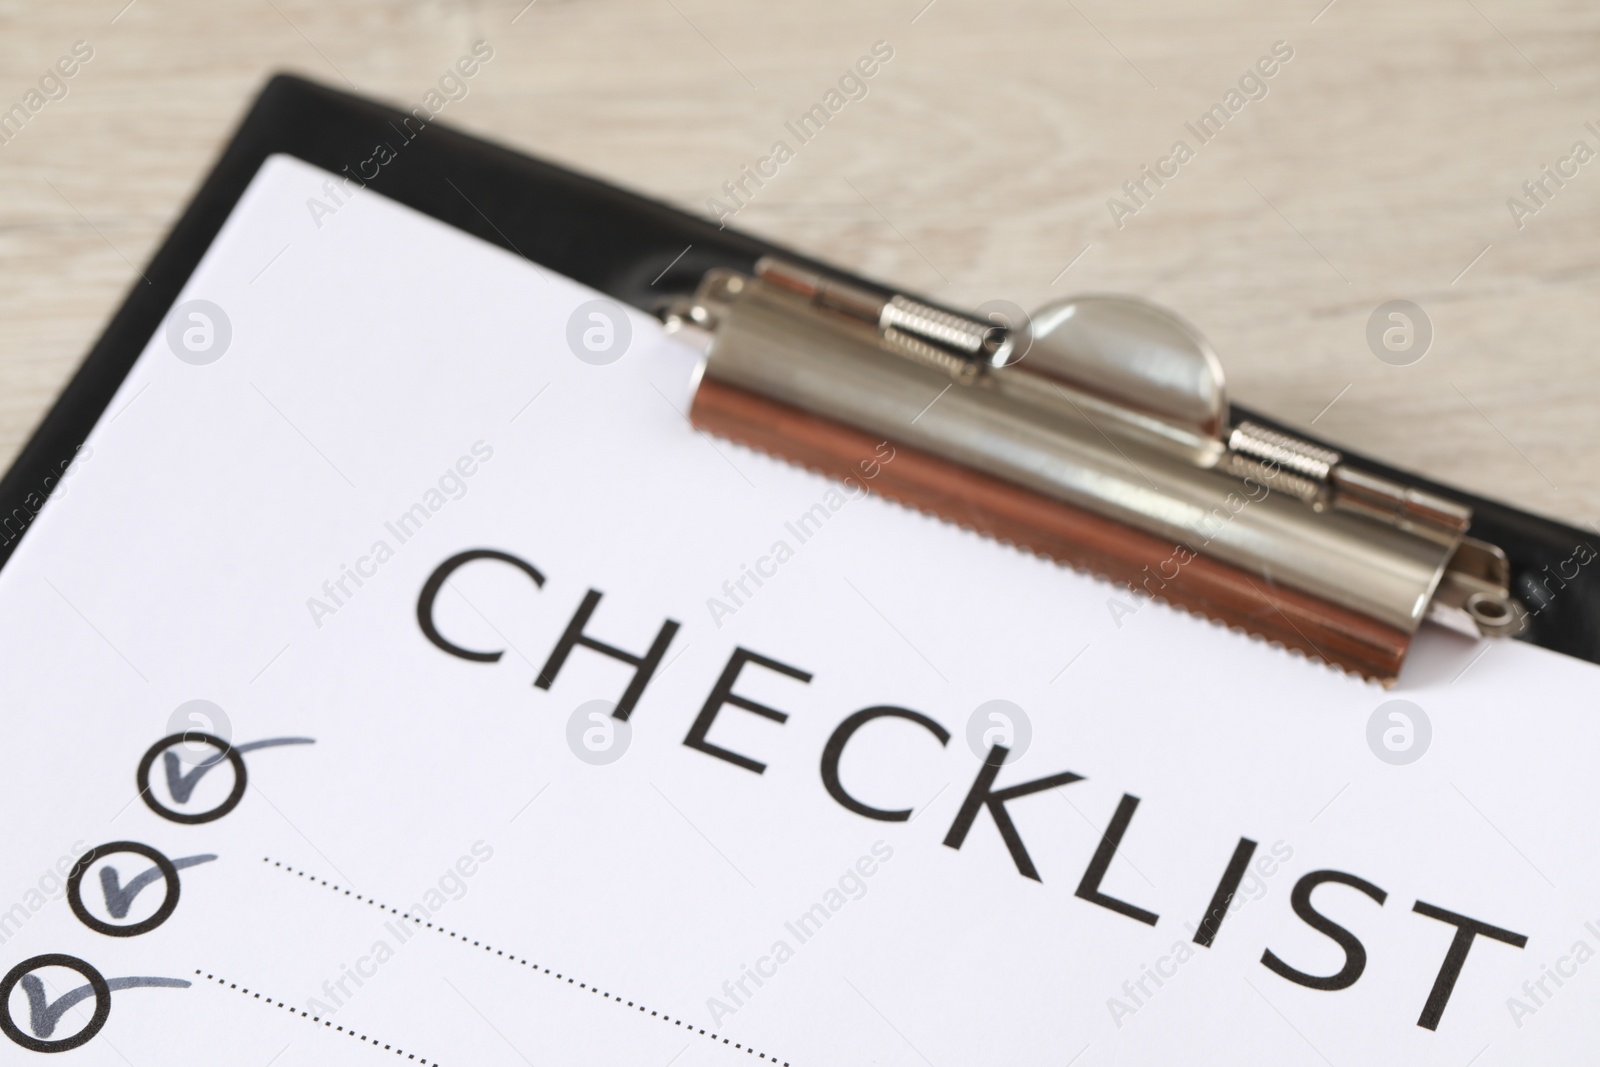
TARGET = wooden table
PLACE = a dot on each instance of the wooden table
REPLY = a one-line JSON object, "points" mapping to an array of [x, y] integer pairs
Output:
{"points": [[980, 163]]}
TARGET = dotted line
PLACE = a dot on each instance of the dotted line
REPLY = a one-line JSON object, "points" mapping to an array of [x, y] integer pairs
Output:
{"points": [[292, 1010], [521, 962]]}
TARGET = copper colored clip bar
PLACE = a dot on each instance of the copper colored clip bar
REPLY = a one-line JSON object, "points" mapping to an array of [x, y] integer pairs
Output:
{"points": [[1069, 535]]}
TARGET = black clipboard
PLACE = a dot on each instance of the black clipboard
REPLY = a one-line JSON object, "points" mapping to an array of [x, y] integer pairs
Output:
{"points": [[627, 246]]}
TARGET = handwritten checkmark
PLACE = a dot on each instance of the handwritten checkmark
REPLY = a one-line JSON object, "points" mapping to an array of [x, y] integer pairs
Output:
{"points": [[182, 785], [44, 1016], [119, 897]]}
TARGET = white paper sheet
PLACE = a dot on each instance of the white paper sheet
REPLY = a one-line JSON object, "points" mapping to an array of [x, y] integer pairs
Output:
{"points": [[451, 870]]}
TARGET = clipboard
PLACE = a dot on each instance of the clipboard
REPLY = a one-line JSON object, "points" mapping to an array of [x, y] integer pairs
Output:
{"points": [[768, 789], [687, 270]]}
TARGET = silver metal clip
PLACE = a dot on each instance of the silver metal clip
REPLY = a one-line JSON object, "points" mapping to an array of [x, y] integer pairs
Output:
{"points": [[1116, 406]]}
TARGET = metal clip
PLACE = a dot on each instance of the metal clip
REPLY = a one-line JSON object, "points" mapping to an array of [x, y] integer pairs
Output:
{"points": [[1117, 407]]}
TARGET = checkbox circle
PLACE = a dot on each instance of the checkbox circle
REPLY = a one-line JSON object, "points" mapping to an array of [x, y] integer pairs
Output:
{"points": [[142, 778], [75, 889], [97, 982]]}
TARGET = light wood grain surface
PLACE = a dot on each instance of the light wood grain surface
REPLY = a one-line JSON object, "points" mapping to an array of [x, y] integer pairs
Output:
{"points": [[978, 165]]}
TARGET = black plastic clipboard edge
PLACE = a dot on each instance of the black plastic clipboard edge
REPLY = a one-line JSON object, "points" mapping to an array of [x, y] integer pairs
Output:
{"points": [[634, 249]]}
